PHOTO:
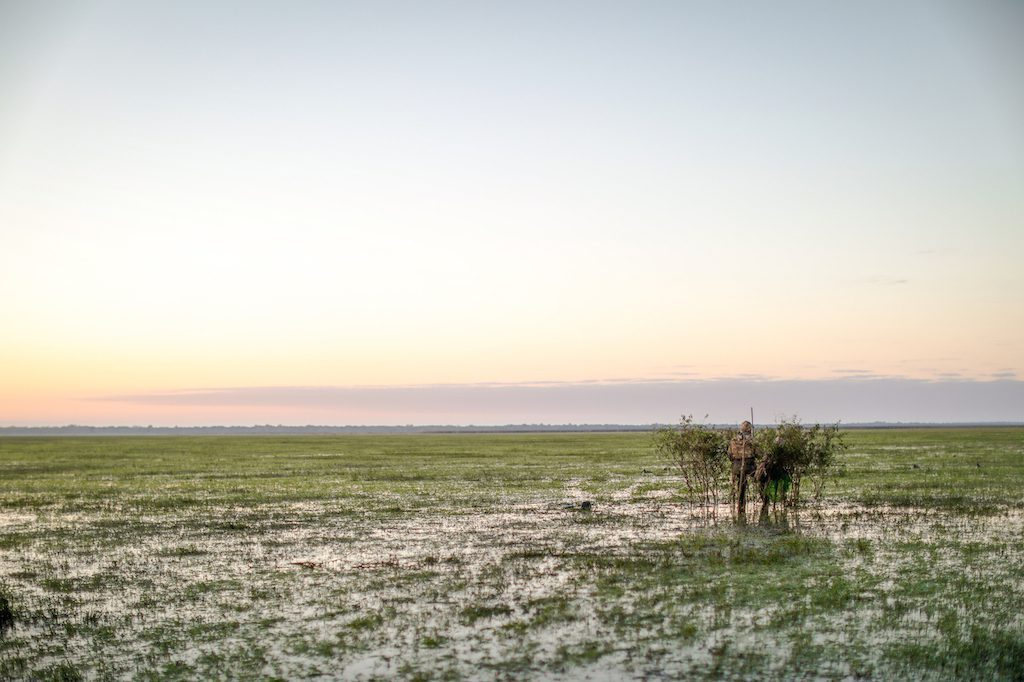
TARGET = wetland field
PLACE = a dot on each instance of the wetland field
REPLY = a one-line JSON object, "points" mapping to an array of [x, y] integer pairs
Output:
{"points": [[472, 556]]}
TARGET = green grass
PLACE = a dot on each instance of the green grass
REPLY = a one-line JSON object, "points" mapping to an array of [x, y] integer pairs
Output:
{"points": [[453, 556]]}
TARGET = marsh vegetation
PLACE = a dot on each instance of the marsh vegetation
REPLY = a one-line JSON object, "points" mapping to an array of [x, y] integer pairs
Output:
{"points": [[470, 556]]}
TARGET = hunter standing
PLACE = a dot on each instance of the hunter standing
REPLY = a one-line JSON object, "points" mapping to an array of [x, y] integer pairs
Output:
{"points": [[742, 453]]}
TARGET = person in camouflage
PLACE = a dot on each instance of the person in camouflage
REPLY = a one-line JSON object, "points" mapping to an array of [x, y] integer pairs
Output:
{"points": [[743, 455]]}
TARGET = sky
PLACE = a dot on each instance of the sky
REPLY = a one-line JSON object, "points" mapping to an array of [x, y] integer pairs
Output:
{"points": [[483, 212]]}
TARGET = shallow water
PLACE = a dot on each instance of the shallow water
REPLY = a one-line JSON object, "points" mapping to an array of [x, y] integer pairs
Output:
{"points": [[500, 579], [320, 569]]}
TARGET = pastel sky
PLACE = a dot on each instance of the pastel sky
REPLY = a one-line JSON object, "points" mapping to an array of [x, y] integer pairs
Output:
{"points": [[222, 212]]}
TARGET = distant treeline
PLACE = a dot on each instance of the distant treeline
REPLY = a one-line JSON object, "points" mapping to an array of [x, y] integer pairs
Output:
{"points": [[309, 430]]}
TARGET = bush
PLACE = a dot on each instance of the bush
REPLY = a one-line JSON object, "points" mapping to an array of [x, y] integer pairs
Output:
{"points": [[700, 453], [825, 444], [793, 451]]}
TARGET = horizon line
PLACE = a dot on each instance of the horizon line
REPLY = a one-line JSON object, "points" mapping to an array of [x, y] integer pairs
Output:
{"points": [[505, 426]]}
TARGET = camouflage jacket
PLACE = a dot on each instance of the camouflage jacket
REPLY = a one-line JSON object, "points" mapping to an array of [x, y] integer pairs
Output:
{"points": [[742, 447]]}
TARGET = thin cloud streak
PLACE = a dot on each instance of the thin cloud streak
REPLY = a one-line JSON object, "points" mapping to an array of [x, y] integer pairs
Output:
{"points": [[852, 399]]}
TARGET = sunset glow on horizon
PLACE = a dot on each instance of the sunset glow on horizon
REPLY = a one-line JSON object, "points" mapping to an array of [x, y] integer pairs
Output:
{"points": [[238, 198]]}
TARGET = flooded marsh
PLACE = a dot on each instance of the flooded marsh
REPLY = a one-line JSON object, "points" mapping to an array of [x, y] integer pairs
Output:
{"points": [[474, 556]]}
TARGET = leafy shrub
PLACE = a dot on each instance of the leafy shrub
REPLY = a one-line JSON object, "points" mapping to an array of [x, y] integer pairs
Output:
{"points": [[796, 452], [700, 454]]}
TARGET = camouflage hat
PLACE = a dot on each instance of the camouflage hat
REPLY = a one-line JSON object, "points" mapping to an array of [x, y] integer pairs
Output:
{"points": [[746, 427]]}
